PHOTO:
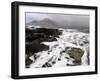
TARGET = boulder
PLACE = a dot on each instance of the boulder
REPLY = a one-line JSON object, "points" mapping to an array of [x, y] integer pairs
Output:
{"points": [[36, 47], [76, 54], [28, 61]]}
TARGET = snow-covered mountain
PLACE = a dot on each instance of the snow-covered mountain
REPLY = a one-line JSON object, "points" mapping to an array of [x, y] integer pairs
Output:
{"points": [[67, 48]]}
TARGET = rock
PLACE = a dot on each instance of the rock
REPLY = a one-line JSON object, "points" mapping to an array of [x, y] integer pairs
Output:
{"points": [[44, 66], [76, 54], [42, 34], [47, 65], [45, 31], [28, 61], [36, 47], [34, 37], [49, 39]]}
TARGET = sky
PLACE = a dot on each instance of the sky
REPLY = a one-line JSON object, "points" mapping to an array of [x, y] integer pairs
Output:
{"points": [[71, 20]]}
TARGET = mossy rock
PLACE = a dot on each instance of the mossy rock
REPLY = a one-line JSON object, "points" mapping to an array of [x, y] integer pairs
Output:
{"points": [[76, 54], [28, 61]]}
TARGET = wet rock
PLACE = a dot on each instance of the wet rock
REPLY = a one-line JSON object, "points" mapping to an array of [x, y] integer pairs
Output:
{"points": [[59, 59], [44, 31], [53, 62], [44, 66], [34, 37], [28, 61], [36, 47], [47, 65], [49, 39], [42, 34]]}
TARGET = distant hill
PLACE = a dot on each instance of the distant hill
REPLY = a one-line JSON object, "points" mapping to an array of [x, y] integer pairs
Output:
{"points": [[44, 23], [48, 23]]}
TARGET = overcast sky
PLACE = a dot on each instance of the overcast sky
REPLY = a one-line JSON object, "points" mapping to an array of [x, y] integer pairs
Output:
{"points": [[62, 19]]}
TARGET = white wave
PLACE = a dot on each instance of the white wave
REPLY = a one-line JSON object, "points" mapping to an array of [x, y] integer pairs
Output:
{"points": [[69, 38]]}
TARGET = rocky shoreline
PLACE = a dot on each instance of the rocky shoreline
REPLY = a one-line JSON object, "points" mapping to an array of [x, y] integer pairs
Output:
{"points": [[47, 47]]}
